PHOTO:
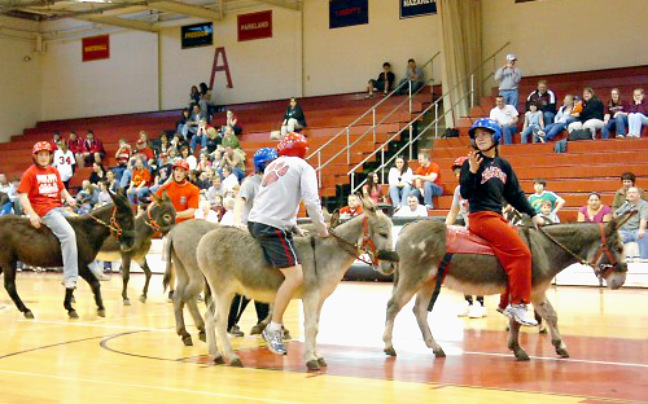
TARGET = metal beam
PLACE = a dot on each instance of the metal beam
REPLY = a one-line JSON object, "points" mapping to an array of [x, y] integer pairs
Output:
{"points": [[120, 22], [282, 3], [186, 9]]}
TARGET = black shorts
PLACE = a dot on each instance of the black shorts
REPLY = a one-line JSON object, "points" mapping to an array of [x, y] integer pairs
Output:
{"points": [[378, 85], [278, 247]]}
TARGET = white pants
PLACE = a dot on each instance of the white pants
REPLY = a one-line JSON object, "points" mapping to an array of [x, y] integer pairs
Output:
{"points": [[290, 126], [592, 124], [635, 122]]}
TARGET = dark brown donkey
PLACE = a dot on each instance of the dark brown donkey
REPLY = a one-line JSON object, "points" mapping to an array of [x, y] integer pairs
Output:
{"points": [[20, 241], [159, 217]]}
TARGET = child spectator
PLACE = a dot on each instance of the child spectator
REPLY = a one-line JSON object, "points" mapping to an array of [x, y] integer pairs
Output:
{"points": [[400, 182], [64, 162], [412, 209], [591, 117], [233, 122], [228, 216], [428, 179], [627, 180], [140, 181], [545, 101], [533, 124], [542, 195], [506, 117], [546, 214], [594, 211], [384, 83], [615, 116], [205, 212], [185, 117], [56, 138], [561, 121], [204, 164], [86, 198], [637, 113], [293, 119], [122, 155], [230, 139], [235, 191], [218, 207], [353, 209], [172, 156], [372, 189], [93, 150]]}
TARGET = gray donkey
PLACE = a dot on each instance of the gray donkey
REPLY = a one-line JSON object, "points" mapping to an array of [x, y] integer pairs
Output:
{"points": [[232, 262], [421, 247]]}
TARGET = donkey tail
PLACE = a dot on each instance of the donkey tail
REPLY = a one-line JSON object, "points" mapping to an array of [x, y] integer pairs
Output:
{"points": [[168, 273]]}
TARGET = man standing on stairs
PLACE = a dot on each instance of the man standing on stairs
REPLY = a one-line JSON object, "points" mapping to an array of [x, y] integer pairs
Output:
{"points": [[509, 77]]}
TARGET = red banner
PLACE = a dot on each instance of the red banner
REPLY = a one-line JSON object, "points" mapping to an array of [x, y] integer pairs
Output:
{"points": [[255, 26], [95, 48]]}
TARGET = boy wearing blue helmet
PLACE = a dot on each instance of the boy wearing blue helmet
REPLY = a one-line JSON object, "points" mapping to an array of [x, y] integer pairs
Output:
{"points": [[242, 207], [486, 180]]}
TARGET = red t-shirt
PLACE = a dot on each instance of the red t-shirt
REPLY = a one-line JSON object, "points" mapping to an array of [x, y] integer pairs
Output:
{"points": [[139, 175], [432, 168], [76, 146], [123, 155], [353, 213], [43, 186], [146, 152], [183, 196]]}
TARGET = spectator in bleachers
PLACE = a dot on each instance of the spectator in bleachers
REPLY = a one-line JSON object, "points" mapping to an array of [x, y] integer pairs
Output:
{"points": [[427, 179], [14, 195], [233, 122], [64, 162], [191, 125], [533, 124], [543, 195], [185, 117], [628, 180], [140, 181], [353, 208], [86, 198], [400, 182], [213, 140], [215, 189], [206, 102], [594, 211], [545, 99], [509, 77], [172, 155], [591, 117], [414, 75], [122, 155], [111, 181], [162, 145], [412, 209], [637, 113], [194, 96], [204, 164], [228, 216], [634, 230], [189, 158], [218, 207], [229, 180], [235, 159], [384, 83], [205, 180], [6, 207], [98, 173], [506, 117], [562, 119], [93, 150], [4, 184], [200, 136], [372, 189], [164, 168], [230, 139], [615, 116], [205, 212], [104, 197], [546, 213], [235, 190], [75, 144], [144, 137], [56, 138], [293, 119], [142, 149], [178, 142]]}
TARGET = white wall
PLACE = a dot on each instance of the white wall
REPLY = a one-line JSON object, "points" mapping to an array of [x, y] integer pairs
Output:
{"points": [[126, 82], [19, 85], [341, 60], [555, 36]]}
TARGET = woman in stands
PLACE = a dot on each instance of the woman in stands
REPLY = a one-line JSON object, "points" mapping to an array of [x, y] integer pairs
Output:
{"points": [[562, 119], [594, 211], [591, 117], [98, 173], [400, 182], [486, 180], [294, 119], [194, 97], [637, 113], [372, 189], [615, 116]]}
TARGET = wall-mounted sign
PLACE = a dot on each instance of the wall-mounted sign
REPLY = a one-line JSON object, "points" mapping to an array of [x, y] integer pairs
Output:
{"points": [[416, 8], [197, 35], [346, 13], [255, 26], [95, 48]]}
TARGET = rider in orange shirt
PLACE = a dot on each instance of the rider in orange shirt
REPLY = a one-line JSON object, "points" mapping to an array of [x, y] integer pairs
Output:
{"points": [[184, 195]]}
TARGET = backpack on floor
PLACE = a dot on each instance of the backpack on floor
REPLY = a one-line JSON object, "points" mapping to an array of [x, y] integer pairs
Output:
{"points": [[561, 146], [580, 134], [450, 132]]}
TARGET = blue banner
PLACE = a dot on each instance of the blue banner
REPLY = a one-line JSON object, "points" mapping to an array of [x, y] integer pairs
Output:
{"points": [[416, 8], [346, 13]]}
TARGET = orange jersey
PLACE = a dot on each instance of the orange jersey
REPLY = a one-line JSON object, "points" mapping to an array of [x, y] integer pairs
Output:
{"points": [[183, 196], [432, 168], [353, 213], [43, 186], [139, 175]]}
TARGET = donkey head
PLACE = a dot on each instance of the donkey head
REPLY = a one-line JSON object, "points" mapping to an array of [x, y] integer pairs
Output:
{"points": [[124, 220], [161, 213], [379, 232], [611, 264]]}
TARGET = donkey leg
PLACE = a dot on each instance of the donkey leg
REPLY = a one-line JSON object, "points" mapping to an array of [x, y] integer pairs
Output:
{"points": [[514, 341], [320, 359], [224, 301], [420, 312], [95, 286], [125, 270], [192, 290], [402, 294], [212, 341], [311, 303], [178, 311], [147, 274], [547, 312], [10, 286]]}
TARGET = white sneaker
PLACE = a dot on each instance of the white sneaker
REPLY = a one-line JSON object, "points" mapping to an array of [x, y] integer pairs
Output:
{"points": [[477, 311], [518, 312], [465, 309]]}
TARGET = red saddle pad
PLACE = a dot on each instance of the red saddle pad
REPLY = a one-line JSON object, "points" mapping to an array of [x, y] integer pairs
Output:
{"points": [[459, 240]]}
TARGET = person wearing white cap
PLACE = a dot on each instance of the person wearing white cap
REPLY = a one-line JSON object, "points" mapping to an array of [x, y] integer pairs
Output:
{"points": [[509, 77]]}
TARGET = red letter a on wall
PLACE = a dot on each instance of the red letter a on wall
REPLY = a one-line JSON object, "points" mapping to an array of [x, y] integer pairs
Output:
{"points": [[217, 68]]}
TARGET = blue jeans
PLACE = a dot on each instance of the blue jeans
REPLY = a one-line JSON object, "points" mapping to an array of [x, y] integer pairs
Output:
{"points": [[619, 125], [403, 87], [510, 97], [140, 193], [556, 129], [531, 129], [632, 235], [431, 189], [125, 179], [7, 208], [55, 220], [195, 139], [548, 117], [508, 132], [399, 195], [119, 172]]}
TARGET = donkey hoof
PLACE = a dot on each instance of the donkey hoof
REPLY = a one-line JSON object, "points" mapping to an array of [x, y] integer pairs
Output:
{"points": [[101, 312], [562, 352], [390, 351], [186, 340], [236, 363], [73, 314], [127, 302], [219, 360], [543, 329], [521, 356], [28, 314], [322, 362], [142, 298], [202, 335], [313, 365], [439, 353]]}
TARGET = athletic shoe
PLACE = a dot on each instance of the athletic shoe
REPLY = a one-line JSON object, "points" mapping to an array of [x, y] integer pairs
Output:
{"points": [[477, 311], [620, 136], [518, 312], [465, 309], [274, 339], [235, 331]]}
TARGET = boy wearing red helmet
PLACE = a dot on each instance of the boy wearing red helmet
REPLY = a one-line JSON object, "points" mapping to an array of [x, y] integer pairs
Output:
{"points": [[40, 192], [286, 182], [184, 195]]}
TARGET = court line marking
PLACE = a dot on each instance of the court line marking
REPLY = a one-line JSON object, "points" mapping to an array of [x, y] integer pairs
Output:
{"points": [[144, 386], [94, 325], [547, 358]]}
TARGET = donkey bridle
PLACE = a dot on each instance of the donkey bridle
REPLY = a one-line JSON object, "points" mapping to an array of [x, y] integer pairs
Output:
{"points": [[155, 226], [366, 247], [114, 227]]}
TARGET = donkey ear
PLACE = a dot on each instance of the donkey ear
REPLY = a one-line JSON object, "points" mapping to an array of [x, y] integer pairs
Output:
{"points": [[334, 220], [165, 196], [157, 198], [368, 206]]}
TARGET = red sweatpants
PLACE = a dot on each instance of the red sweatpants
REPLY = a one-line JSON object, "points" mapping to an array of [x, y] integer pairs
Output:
{"points": [[511, 251]]}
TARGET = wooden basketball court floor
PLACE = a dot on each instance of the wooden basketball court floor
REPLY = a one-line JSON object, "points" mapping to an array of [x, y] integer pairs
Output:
{"points": [[133, 355]]}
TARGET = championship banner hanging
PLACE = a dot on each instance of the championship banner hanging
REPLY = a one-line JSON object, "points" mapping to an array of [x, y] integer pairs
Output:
{"points": [[346, 13], [95, 48], [197, 35], [255, 26], [417, 8]]}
